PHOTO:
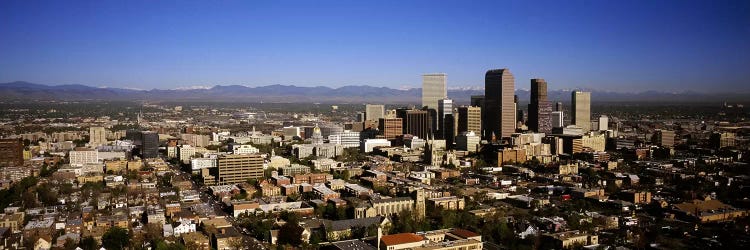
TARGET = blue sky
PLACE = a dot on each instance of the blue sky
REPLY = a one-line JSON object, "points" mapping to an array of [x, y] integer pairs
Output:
{"points": [[621, 46]]}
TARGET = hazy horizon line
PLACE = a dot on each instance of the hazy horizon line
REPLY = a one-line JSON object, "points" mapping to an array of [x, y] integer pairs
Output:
{"points": [[402, 87]]}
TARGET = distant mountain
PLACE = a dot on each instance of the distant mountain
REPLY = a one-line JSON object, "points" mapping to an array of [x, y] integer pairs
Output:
{"points": [[297, 94]]}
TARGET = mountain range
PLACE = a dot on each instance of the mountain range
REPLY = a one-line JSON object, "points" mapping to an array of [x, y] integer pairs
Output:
{"points": [[296, 94]]}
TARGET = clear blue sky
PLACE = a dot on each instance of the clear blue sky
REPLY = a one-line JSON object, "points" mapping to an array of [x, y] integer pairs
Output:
{"points": [[600, 44]]}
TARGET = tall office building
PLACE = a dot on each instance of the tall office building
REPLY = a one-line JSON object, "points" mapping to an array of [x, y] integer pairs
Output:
{"points": [[603, 123], [445, 107], [134, 136], [449, 129], [146, 143], [498, 111], [373, 112], [235, 169], [97, 136], [557, 119], [581, 110], [415, 122], [470, 119], [150, 144], [539, 108], [390, 128], [433, 89], [559, 106], [11, 152]]}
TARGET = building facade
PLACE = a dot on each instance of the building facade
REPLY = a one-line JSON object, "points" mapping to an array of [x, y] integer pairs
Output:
{"points": [[235, 169], [374, 112], [433, 89], [415, 122], [581, 110], [390, 128], [499, 107], [97, 136], [11, 152], [470, 119], [539, 107]]}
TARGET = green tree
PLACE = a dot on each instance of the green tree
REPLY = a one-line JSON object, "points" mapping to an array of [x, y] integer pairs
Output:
{"points": [[115, 238], [88, 243], [290, 233]]}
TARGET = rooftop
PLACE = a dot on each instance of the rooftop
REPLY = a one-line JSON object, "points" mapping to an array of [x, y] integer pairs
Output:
{"points": [[402, 238]]}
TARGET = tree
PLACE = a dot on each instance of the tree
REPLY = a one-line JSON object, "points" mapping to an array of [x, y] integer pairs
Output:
{"points": [[152, 232], [290, 233], [115, 238], [162, 245], [46, 195], [88, 243]]}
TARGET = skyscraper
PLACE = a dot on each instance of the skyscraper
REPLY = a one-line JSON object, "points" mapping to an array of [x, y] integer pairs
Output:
{"points": [[150, 144], [415, 122], [498, 111], [445, 107], [97, 136], [557, 119], [433, 89], [581, 110], [470, 119], [373, 112], [559, 106], [449, 129], [603, 123], [539, 107]]}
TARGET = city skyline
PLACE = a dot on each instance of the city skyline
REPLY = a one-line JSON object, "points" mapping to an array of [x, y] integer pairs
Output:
{"points": [[673, 45], [322, 125]]}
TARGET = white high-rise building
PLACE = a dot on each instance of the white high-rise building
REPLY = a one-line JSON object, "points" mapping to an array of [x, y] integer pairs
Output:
{"points": [[433, 89], [603, 123], [558, 119], [186, 152], [348, 139], [97, 136]]}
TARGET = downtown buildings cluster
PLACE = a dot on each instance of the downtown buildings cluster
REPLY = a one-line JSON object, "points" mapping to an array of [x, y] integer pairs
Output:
{"points": [[484, 173]]}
